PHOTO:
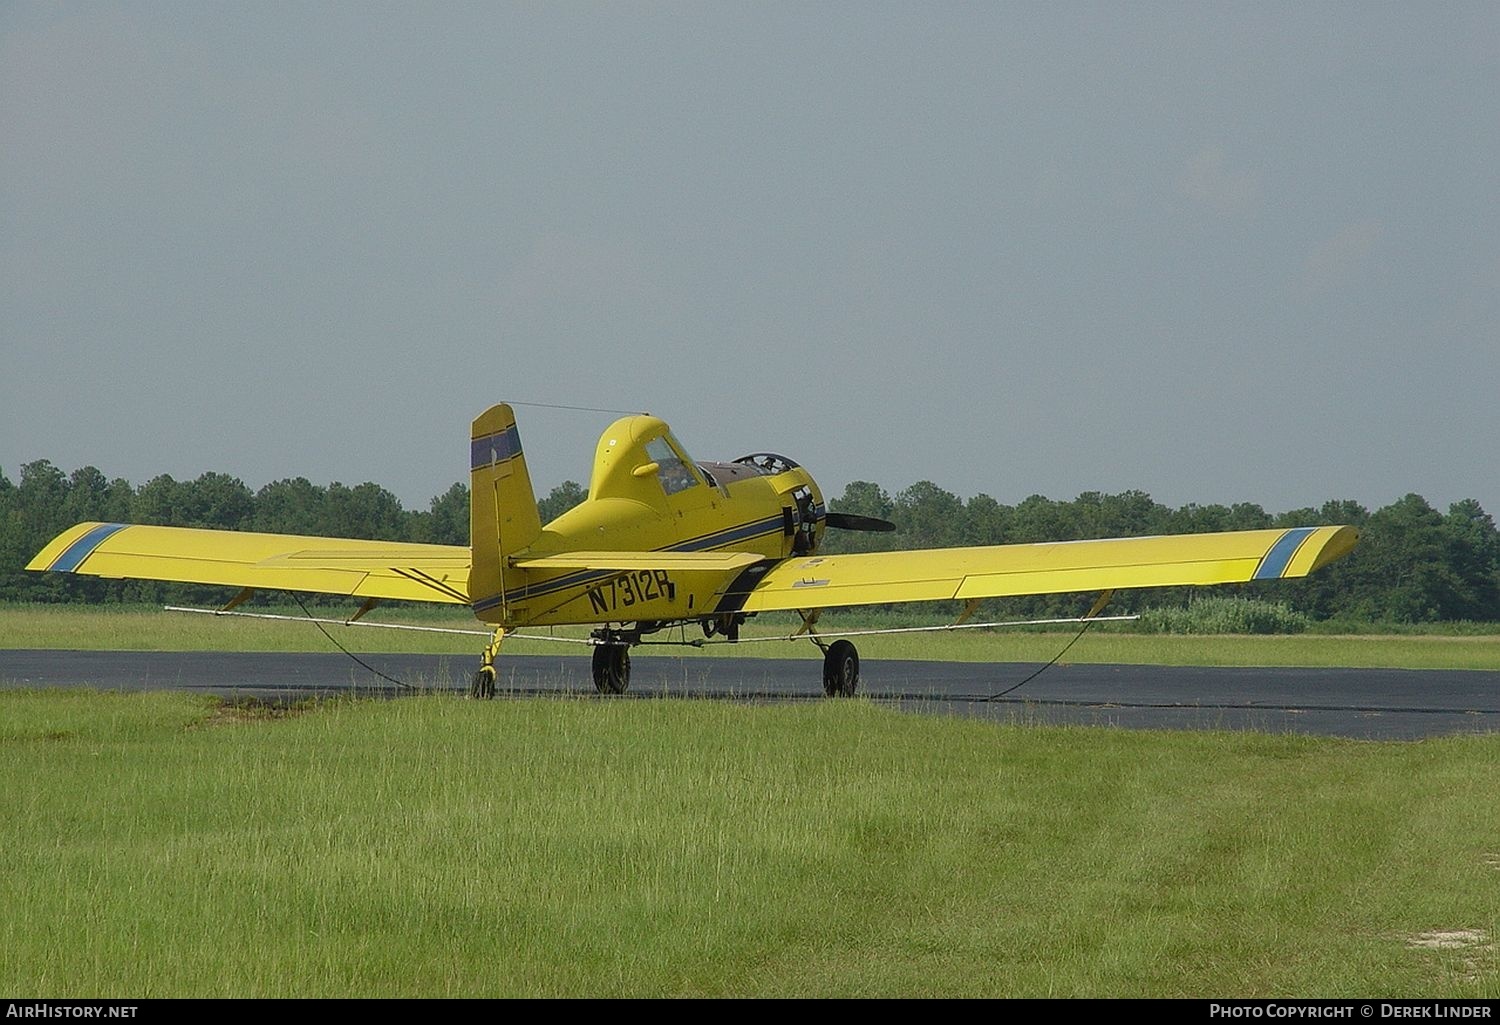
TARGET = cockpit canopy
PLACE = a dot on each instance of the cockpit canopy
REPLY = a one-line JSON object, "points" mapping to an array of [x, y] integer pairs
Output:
{"points": [[674, 469], [768, 463], [638, 458]]}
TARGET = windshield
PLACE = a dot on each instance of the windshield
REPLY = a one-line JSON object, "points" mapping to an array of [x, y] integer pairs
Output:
{"points": [[675, 474]]}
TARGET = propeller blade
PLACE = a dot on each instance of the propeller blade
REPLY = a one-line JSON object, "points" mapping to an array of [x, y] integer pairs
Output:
{"points": [[849, 521]]}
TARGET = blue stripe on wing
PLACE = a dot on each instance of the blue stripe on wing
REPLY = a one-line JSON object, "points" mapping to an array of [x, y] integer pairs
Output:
{"points": [[81, 549], [1275, 562]]}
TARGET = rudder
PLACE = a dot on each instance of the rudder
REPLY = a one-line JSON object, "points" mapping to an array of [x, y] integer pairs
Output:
{"points": [[503, 515]]}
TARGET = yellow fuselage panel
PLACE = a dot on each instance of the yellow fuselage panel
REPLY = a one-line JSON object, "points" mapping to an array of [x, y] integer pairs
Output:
{"points": [[747, 515]]}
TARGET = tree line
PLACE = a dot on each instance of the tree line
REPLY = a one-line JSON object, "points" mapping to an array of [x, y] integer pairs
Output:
{"points": [[1414, 564]]}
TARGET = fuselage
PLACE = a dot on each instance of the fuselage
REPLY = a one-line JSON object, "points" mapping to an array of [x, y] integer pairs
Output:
{"points": [[647, 495]]}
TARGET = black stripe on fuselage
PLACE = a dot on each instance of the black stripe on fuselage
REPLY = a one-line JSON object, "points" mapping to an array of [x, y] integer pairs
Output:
{"points": [[738, 592], [579, 578]]}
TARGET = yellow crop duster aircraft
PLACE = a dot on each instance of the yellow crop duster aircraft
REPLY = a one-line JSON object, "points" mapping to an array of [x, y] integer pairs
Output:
{"points": [[663, 541]]}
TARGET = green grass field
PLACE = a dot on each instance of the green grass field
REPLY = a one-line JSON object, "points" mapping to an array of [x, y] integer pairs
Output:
{"points": [[160, 845], [166, 845], [150, 629]]}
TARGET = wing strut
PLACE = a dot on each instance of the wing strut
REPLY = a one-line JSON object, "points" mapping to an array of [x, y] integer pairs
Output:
{"points": [[1099, 604], [369, 604], [239, 599]]}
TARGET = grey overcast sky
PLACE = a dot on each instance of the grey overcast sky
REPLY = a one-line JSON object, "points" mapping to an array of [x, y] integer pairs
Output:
{"points": [[1218, 252]]}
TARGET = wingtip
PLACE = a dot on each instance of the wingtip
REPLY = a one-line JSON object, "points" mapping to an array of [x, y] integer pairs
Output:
{"points": [[1339, 544], [65, 552]]}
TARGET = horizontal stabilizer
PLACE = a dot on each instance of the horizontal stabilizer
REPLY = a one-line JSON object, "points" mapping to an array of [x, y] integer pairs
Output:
{"points": [[674, 561]]}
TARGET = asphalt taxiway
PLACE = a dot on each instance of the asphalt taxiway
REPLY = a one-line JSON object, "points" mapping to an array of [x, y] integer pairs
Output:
{"points": [[1358, 703]]}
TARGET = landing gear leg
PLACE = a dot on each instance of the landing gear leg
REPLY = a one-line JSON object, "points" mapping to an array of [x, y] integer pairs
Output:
{"points": [[483, 684], [611, 668], [840, 659]]}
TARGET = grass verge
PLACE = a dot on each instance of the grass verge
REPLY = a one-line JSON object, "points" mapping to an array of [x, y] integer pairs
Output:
{"points": [[159, 845]]}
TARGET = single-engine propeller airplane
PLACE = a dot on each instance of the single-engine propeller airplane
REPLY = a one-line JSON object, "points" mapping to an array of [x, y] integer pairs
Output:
{"points": [[663, 541]]}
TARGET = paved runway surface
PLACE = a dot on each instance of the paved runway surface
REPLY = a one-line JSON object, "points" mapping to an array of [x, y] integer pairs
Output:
{"points": [[1362, 703]]}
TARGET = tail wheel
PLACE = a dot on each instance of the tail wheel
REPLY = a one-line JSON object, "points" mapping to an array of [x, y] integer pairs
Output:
{"points": [[611, 668], [483, 684], [841, 670]]}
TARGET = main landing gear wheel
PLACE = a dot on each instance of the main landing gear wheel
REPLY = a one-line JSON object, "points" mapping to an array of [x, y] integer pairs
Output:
{"points": [[840, 670], [611, 668], [483, 684]]}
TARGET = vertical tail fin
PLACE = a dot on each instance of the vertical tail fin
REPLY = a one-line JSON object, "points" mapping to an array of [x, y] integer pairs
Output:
{"points": [[503, 517]]}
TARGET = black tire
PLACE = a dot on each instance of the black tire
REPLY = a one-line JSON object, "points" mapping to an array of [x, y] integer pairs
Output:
{"points": [[483, 684], [611, 668], [841, 670]]}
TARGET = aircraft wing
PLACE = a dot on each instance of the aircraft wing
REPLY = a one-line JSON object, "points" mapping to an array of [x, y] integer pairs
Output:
{"points": [[363, 569], [1048, 568]]}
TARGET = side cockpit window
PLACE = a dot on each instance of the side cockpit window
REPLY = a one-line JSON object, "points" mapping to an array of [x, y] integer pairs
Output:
{"points": [[676, 473]]}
